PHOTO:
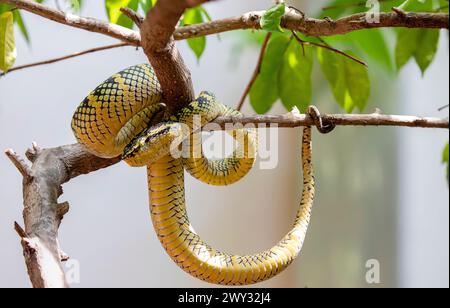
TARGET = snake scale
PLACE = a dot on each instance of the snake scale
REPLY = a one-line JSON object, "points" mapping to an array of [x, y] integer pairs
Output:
{"points": [[116, 119]]}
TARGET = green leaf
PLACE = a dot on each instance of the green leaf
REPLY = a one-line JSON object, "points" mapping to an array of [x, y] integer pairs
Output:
{"points": [[445, 160], [422, 44], [115, 15], [294, 82], [407, 44], [75, 5], [264, 92], [191, 17], [358, 83], [146, 5], [427, 48], [443, 6], [20, 23], [417, 5], [198, 46], [271, 20], [7, 42], [374, 44], [349, 80], [4, 8]]}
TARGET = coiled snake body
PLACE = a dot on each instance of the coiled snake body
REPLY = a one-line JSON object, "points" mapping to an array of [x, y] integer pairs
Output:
{"points": [[115, 119]]}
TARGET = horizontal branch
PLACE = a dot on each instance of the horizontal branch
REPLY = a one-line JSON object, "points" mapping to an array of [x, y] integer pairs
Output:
{"points": [[317, 27], [86, 23], [292, 21], [291, 120], [58, 59]]}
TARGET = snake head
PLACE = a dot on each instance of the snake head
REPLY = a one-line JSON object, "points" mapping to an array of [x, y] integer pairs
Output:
{"points": [[152, 144]]}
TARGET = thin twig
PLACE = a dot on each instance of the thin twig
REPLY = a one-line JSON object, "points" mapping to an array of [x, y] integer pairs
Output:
{"points": [[19, 230], [328, 47], [292, 120], [20, 163], [443, 108], [78, 54], [256, 72], [400, 12], [133, 15]]}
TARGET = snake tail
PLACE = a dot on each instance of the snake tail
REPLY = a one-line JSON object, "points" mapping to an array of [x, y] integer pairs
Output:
{"points": [[193, 255]]}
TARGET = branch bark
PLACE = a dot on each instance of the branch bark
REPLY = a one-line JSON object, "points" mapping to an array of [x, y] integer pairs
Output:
{"points": [[42, 214], [292, 21], [159, 46], [317, 27], [158, 42], [291, 120], [86, 23]]}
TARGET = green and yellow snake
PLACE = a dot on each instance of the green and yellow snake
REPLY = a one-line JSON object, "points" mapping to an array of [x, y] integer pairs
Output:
{"points": [[115, 119]]}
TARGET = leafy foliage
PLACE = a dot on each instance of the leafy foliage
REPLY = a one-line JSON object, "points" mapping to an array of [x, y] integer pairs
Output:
{"points": [[115, 15], [7, 42], [348, 79], [294, 79], [271, 20], [192, 16], [264, 92], [420, 44], [196, 16]]}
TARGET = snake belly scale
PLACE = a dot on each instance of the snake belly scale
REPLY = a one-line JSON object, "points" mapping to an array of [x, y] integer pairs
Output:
{"points": [[118, 117]]}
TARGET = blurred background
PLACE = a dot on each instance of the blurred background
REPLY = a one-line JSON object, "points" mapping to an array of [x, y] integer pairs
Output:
{"points": [[382, 192]]}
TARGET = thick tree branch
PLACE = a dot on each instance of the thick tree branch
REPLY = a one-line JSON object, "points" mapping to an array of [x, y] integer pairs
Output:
{"points": [[292, 21], [157, 31], [42, 212], [157, 41]]}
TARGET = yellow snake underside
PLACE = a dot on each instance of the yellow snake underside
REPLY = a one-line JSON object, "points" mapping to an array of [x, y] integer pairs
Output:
{"points": [[118, 117]]}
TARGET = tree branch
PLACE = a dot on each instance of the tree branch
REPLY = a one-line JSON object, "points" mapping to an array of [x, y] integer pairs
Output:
{"points": [[86, 23], [293, 119], [292, 21], [317, 27], [42, 212], [58, 59], [159, 46]]}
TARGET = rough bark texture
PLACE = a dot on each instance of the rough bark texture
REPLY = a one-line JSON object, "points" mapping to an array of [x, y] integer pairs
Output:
{"points": [[42, 214], [159, 46], [296, 120]]}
